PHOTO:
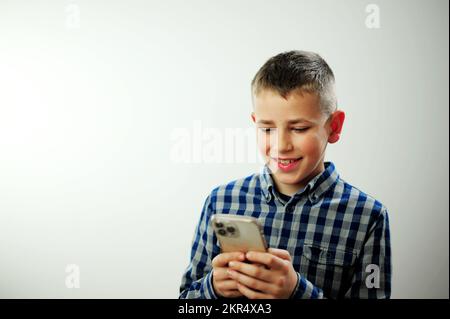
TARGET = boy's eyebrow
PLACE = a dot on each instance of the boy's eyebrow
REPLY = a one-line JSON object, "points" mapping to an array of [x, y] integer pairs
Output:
{"points": [[295, 121]]}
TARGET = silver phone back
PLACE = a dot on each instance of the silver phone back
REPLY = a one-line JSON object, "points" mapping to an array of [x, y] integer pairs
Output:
{"points": [[238, 233]]}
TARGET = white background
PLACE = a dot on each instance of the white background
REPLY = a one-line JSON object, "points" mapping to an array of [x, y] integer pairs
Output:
{"points": [[88, 106]]}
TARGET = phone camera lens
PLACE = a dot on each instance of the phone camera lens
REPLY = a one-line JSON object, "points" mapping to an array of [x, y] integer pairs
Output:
{"points": [[231, 229], [219, 225], [222, 232]]}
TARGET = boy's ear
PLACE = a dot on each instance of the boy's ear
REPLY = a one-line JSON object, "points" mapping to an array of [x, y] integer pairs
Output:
{"points": [[336, 124], [253, 117]]}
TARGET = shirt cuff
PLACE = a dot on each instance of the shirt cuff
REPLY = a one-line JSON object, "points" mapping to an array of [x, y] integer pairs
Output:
{"points": [[306, 290], [296, 287], [208, 290]]}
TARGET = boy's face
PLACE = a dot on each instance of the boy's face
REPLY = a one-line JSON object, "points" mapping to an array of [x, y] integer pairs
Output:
{"points": [[294, 129]]}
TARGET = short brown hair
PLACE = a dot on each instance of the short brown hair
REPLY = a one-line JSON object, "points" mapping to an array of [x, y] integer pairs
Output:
{"points": [[297, 70]]}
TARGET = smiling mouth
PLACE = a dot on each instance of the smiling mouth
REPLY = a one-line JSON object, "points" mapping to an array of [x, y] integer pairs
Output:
{"points": [[286, 161], [287, 165]]}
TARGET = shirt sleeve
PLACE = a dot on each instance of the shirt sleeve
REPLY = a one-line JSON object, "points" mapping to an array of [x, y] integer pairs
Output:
{"points": [[373, 272], [372, 275], [196, 282]]}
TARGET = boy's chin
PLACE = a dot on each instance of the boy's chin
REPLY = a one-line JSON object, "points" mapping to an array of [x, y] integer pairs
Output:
{"points": [[292, 178]]}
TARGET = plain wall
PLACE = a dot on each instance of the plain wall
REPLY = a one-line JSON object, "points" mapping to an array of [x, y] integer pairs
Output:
{"points": [[93, 93]]}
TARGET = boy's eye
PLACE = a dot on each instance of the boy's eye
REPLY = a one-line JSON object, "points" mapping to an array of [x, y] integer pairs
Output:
{"points": [[300, 129], [267, 129]]}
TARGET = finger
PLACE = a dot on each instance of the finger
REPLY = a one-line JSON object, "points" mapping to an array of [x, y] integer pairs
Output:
{"points": [[250, 263], [220, 273], [251, 282], [229, 284], [232, 294], [283, 254], [271, 261], [252, 270], [222, 260], [252, 294]]}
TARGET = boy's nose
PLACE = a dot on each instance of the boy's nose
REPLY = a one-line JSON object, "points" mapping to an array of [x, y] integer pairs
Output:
{"points": [[284, 142]]}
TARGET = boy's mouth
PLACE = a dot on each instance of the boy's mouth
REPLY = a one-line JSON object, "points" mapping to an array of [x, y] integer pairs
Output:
{"points": [[287, 164]]}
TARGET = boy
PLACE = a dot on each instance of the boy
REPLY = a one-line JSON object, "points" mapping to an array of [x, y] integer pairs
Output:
{"points": [[327, 238]]}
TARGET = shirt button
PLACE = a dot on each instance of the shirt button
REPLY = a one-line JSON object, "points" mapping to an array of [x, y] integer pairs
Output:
{"points": [[290, 209]]}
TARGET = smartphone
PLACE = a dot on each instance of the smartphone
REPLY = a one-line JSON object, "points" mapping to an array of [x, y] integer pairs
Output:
{"points": [[238, 233]]}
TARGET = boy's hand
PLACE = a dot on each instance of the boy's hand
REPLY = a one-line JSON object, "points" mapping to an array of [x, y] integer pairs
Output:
{"points": [[278, 280], [223, 285]]}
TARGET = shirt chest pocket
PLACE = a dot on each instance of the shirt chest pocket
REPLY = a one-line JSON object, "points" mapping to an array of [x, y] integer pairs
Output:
{"points": [[328, 256], [328, 268]]}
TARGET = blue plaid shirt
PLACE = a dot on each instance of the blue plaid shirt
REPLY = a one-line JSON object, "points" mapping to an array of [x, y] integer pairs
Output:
{"points": [[337, 235]]}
